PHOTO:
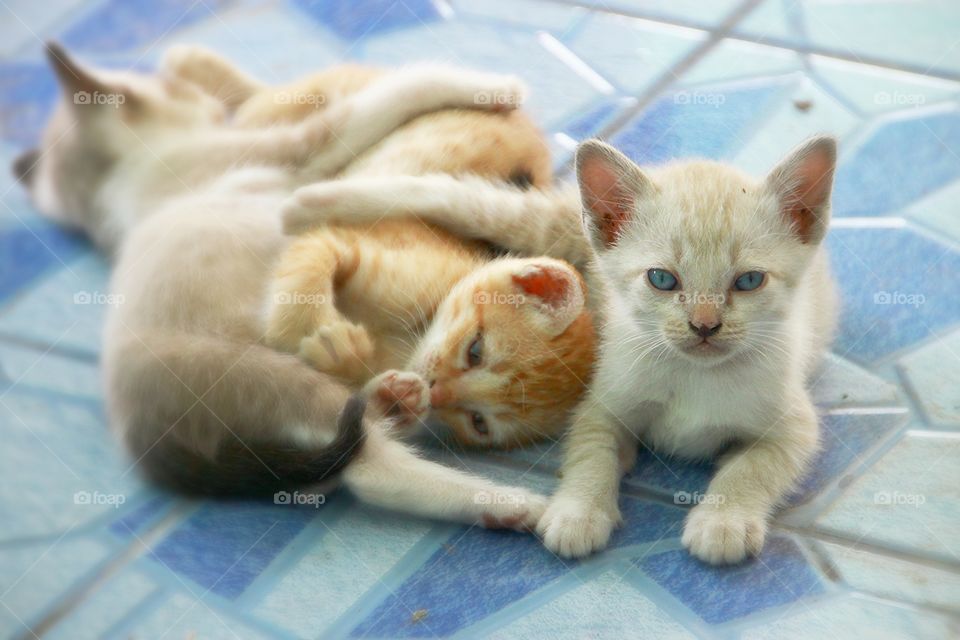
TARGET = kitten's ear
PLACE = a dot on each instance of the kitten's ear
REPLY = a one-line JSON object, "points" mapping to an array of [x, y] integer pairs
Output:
{"points": [[802, 183], [610, 184], [82, 86], [554, 290]]}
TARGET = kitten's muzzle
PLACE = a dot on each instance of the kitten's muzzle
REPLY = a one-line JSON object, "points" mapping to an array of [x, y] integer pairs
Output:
{"points": [[705, 330]]}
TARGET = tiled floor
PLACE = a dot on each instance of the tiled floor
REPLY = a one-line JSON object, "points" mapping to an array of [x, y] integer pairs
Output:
{"points": [[868, 546]]}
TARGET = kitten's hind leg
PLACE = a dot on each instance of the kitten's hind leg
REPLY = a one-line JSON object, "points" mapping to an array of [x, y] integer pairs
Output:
{"points": [[389, 474], [531, 222]]}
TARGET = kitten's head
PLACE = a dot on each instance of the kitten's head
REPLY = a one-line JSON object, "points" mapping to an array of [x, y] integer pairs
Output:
{"points": [[509, 352], [102, 115], [703, 259]]}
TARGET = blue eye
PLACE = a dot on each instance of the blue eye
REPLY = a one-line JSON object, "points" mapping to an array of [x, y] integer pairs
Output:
{"points": [[749, 280], [475, 352], [661, 279]]}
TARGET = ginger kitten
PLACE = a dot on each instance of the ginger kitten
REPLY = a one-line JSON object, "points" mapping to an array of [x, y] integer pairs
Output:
{"points": [[717, 302]]}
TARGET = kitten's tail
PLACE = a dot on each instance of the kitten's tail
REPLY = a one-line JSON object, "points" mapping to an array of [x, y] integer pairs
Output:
{"points": [[256, 469], [210, 416]]}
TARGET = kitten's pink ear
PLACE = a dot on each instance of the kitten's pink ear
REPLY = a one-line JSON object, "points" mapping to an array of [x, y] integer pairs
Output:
{"points": [[554, 289], [610, 184], [802, 183]]}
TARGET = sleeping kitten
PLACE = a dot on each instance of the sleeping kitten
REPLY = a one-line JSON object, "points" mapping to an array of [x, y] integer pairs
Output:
{"points": [[500, 351], [190, 206], [717, 302]]}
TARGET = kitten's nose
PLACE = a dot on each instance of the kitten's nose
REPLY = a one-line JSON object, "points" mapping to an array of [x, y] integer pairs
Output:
{"points": [[440, 396], [705, 330]]}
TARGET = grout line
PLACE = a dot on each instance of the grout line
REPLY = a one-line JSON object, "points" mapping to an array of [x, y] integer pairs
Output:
{"points": [[670, 75], [871, 547], [801, 48], [133, 551]]}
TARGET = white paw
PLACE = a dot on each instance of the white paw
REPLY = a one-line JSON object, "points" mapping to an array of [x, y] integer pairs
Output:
{"points": [[313, 206], [573, 529], [723, 535], [511, 508]]}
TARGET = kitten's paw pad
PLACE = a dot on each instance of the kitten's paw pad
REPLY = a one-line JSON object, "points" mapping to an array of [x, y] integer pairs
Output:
{"points": [[340, 348], [516, 509], [312, 207], [573, 529], [719, 535], [403, 395]]}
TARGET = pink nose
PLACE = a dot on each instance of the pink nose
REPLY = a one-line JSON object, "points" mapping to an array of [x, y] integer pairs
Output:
{"points": [[440, 396]]}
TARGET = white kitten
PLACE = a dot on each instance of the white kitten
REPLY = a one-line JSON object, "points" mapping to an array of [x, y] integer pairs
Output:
{"points": [[717, 303], [152, 170]]}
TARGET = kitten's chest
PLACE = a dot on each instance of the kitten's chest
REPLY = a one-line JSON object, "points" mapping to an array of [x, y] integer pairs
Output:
{"points": [[696, 415]]}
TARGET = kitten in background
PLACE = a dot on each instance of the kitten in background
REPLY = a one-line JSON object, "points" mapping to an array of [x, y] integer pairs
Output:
{"points": [[716, 304]]}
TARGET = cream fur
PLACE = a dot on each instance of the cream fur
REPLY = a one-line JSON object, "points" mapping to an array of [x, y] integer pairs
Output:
{"points": [[189, 205]]}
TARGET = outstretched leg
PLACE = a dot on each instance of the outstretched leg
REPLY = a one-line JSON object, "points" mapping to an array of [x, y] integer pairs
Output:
{"points": [[390, 474]]}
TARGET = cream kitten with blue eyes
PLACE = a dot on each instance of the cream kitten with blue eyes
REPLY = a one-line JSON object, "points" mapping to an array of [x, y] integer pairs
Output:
{"points": [[717, 301]]}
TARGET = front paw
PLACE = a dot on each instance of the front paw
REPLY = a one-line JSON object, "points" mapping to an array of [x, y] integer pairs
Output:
{"points": [[723, 535], [402, 395], [516, 509], [573, 528], [341, 348]]}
